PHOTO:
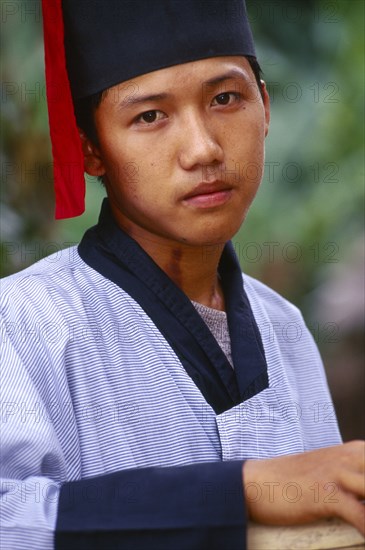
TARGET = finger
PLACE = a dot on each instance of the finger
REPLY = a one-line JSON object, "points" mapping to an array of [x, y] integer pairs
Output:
{"points": [[353, 512], [360, 455], [353, 482], [356, 455]]}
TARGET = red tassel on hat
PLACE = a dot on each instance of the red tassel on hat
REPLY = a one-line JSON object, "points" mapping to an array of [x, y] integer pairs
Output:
{"points": [[69, 181]]}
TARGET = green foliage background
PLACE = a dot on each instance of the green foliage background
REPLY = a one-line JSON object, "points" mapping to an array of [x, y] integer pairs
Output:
{"points": [[303, 235]]}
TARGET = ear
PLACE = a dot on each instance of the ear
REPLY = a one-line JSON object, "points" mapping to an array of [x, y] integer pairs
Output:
{"points": [[266, 101], [93, 164]]}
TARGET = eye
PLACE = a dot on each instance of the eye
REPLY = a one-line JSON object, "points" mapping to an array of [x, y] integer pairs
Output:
{"points": [[226, 98], [149, 117]]}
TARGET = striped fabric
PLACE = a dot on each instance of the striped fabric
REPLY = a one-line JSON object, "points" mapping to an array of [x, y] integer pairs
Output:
{"points": [[89, 386]]}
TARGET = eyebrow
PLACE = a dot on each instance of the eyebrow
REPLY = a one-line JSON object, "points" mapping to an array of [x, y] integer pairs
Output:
{"points": [[233, 73], [137, 100]]}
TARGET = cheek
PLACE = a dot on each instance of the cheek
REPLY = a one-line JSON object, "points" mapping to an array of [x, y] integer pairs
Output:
{"points": [[135, 163], [122, 170], [247, 134], [246, 158], [135, 186]]}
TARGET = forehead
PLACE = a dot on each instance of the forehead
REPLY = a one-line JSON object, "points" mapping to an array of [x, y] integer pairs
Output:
{"points": [[184, 77]]}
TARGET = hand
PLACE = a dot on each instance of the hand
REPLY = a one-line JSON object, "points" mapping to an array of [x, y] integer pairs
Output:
{"points": [[305, 487]]}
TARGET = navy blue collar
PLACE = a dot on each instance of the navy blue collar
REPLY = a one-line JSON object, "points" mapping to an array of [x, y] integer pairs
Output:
{"points": [[116, 256]]}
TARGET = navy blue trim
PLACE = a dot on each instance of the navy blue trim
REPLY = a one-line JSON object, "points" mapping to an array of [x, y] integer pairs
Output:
{"points": [[195, 507], [214, 538], [248, 353], [116, 256]]}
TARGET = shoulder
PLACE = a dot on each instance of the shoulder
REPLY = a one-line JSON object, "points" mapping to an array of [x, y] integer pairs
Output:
{"points": [[274, 314], [57, 299], [54, 279], [285, 335], [48, 266], [263, 297]]}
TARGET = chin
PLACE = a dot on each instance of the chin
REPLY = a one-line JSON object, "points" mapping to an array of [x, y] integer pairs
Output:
{"points": [[223, 234], [210, 238]]}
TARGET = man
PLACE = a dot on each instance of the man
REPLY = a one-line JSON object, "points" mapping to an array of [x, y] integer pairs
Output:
{"points": [[142, 406]]}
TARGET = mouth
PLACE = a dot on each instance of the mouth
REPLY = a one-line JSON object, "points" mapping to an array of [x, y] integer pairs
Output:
{"points": [[207, 195]]}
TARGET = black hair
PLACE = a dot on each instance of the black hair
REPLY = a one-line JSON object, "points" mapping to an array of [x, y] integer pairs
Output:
{"points": [[85, 107], [257, 71]]}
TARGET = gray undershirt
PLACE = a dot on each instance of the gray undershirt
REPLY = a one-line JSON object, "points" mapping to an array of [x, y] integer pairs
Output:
{"points": [[217, 323]]}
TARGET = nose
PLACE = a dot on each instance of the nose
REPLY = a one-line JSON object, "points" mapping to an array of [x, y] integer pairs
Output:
{"points": [[199, 145]]}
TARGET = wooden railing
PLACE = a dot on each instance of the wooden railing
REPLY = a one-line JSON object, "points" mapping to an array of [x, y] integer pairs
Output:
{"points": [[323, 535]]}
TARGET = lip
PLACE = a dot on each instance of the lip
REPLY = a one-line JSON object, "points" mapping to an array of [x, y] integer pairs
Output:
{"points": [[209, 194]]}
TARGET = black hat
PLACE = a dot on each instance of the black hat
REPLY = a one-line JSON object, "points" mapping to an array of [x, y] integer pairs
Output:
{"points": [[91, 45]]}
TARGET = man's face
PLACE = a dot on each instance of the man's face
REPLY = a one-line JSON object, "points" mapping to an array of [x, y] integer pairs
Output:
{"points": [[182, 150]]}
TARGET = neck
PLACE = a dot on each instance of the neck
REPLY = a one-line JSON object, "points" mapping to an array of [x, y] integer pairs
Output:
{"points": [[194, 269]]}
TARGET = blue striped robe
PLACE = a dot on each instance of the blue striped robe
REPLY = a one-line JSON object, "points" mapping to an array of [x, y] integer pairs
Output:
{"points": [[107, 441]]}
